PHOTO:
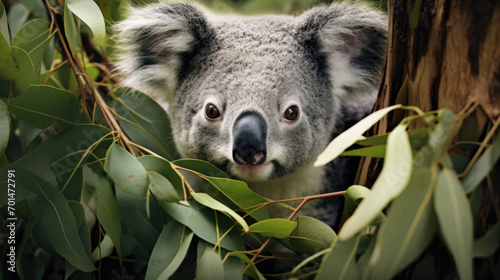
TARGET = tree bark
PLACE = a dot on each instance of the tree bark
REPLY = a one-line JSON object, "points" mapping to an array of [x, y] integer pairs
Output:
{"points": [[451, 58]]}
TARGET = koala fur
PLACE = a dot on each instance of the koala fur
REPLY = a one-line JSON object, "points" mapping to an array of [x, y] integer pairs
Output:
{"points": [[325, 62]]}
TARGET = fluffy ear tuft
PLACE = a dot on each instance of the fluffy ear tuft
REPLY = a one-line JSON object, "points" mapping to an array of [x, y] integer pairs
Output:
{"points": [[153, 44], [353, 39]]}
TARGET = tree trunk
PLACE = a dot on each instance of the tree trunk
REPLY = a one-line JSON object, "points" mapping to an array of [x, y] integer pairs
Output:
{"points": [[445, 53]]}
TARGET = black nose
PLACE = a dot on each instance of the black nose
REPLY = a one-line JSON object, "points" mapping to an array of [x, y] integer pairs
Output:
{"points": [[249, 139]]}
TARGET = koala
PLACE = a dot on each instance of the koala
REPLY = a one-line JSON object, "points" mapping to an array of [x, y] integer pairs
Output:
{"points": [[260, 97]]}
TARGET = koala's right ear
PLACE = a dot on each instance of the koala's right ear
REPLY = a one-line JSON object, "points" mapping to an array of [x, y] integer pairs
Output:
{"points": [[353, 39], [155, 42]]}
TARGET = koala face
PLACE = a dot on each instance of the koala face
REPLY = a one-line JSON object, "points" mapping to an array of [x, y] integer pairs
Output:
{"points": [[259, 97]]}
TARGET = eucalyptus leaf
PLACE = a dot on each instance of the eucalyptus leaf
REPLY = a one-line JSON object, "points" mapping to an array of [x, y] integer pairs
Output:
{"points": [[164, 168], [238, 193], [390, 184], [209, 265], [169, 251], [23, 80], [41, 106], [455, 220], [202, 167], [340, 262], [374, 151], [145, 121], [162, 188], [60, 225], [18, 15], [35, 7], [108, 212], [34, 37], [252, 270], [488, 244], [89, 12], [408, 230], [482, 167], [4, 127], [353, 197], [206, 224], [142, 229], [125, 171], [210, 202], [104, 249], [58, 155], [70, 30], [350, 136], [9, 70], [311, 235], [4, 27], [277, 228]]}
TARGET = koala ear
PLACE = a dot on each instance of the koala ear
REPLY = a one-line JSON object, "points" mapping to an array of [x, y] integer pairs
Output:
{"points": [[154, 44], [353, 41]]}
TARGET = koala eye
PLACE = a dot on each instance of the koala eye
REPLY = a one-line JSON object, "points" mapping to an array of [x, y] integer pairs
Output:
{"points": [[212, 112], [291, 113]]}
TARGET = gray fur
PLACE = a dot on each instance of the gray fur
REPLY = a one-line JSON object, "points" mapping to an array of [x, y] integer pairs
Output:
{"points": [[318, 61]]}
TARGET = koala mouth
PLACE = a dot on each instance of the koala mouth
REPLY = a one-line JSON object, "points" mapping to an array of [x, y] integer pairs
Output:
{"points": [[252, 173]]}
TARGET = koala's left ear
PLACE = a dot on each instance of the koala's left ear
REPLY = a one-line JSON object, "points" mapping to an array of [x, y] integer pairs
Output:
{"points": [[353, 40], [155, 44]]}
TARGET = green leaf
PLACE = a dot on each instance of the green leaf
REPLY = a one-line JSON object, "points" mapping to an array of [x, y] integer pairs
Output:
{"points": [[374, 151], [390, 184], [482, 167], [108, 212], [4, 27], [169, 251], [9, 69], [162, 188], [277, 228], [34, 37], [455, 220], [70, 30], [104, 249], [164, 168], [437, 139], [4, 127], [23, 80], [147, 123], [125, 171], [237, 192], [488, 244], [340, 263], [32, 34], [408, 229], [211, 203], [58, 155], [41, 106], [18, 15], [350, 136], [252, 270], [35, 7], [209, 264], [60, 225], [202, 167], [206, 224], [89, 12], [142, 228], [353, 197], [311, 235]]}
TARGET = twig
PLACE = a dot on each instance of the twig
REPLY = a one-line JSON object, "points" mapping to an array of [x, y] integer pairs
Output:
{"points": [[304, 201]]}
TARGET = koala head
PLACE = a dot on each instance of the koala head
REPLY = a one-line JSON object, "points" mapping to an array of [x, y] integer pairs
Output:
{"points": [[259, 97]]}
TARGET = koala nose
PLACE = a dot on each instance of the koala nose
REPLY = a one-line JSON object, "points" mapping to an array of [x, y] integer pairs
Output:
{"points": [[249, 139]]}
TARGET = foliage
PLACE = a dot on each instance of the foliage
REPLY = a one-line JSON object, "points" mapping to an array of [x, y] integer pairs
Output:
{"points": [[100, 191]]}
